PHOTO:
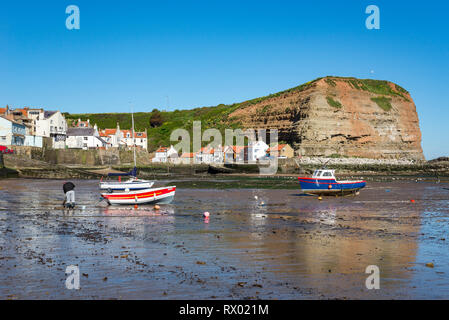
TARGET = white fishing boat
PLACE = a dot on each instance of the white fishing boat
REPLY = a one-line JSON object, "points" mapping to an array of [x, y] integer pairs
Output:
{"points": [[145, 196], [133, 183]]}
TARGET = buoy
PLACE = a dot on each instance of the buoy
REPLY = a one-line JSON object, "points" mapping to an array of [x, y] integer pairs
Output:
{"points": [[320, 198], [255, 197], [412, 201], [206, 214], [156, 207], [135, 206], [330, 186]]}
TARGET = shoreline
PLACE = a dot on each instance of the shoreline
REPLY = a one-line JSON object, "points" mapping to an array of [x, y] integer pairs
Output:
{"points": [[345, 168]]}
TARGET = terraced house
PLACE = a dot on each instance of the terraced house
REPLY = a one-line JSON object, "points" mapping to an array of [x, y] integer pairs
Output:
{"points": [[12, 133]]}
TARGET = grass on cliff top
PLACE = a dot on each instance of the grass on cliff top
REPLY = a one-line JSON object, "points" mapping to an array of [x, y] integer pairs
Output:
{"points": [[380, 87], [383, 102]]}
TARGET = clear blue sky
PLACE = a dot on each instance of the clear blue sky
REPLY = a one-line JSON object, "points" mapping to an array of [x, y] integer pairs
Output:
{"points": [[202, 53]]}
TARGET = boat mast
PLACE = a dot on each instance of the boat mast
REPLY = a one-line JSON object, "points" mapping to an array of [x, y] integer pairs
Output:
{"points": [[134, 139]]}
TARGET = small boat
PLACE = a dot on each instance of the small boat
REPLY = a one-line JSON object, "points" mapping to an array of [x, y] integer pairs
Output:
{"points": [[134, 191], [131, 184], [323, 182], [145, 196]]}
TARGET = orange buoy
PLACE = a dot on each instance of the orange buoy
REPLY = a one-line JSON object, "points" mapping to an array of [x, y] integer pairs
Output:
{"points": [[412, 201], [135, 206], [330, 186], [156, 207]]}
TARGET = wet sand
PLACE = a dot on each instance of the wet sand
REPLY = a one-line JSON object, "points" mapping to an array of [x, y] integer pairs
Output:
{"points": [[280, 246]]}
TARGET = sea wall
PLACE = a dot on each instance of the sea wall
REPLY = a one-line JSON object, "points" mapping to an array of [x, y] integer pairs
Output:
{"points": [[94, 157]]}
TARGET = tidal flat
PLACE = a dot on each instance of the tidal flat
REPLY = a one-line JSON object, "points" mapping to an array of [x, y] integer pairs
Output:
{"points": [[259, 243]]}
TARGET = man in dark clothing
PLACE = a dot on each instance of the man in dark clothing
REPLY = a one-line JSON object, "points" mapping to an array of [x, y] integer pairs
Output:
{"points": [[69, 201]]}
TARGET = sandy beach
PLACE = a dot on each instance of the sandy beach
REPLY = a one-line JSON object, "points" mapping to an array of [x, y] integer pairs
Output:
{"points": [[282, 245]]}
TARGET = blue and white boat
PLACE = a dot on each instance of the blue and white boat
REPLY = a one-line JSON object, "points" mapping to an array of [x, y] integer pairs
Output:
{"points": [[323, 182]]}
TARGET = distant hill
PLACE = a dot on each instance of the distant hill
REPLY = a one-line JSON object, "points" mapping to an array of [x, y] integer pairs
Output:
{"points": [[327, 116]]}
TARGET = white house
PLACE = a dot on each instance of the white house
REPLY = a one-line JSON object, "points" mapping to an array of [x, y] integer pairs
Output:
{"points": [[257, 150], [33, 141], [11, 132], [113, 137], [52, 124], [163, 153], [219, 154], [205, 155], [84, 138], [140, 139], [210, 155]]}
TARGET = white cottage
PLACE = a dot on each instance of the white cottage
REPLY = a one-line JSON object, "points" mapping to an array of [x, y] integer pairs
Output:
{"points": [[257, 150], [164, 153], [52, 124], [84, 138]]}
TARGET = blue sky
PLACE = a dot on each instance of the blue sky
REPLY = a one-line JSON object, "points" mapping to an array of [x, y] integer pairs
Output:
{"points": [[203, 53]]}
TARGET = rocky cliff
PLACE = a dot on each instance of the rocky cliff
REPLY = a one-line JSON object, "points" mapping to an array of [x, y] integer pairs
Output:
{"points": [[335, 116]]}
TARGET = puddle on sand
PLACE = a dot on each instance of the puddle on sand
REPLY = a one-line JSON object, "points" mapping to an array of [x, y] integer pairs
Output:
{"points": [[280, 245]]}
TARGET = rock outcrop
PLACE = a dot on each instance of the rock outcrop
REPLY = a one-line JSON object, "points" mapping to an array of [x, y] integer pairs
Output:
{"points": [[339, 117]]}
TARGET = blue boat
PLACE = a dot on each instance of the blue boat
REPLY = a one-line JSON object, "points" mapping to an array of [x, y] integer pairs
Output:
{"points": [[323, 182]]}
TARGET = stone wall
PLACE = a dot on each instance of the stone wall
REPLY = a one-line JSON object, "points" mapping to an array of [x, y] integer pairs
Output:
{"points": [[98, 157]]}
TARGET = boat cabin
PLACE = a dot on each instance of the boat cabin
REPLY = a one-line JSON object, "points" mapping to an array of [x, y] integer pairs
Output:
{"points": [[324, 174]]}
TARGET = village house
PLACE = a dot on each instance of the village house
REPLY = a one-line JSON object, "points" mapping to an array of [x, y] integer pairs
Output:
{"points": [[187, 158], [34, 114], [52, 124], [11, 132], [281, 151], [205, 155], [4, 111], [229, 154], [236, 154], [163, 154], [140, 139], [257, 150], [82, 124], [84, 138]]}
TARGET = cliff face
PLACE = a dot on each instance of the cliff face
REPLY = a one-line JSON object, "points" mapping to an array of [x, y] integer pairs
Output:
{"points": [[340, 117]]}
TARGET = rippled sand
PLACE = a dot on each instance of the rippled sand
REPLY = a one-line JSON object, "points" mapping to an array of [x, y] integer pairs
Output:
{"points": [[281, 245]]}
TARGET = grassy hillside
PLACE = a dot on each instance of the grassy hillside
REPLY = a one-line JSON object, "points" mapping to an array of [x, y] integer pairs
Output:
{"points": [[218, 116], [211, 117]]}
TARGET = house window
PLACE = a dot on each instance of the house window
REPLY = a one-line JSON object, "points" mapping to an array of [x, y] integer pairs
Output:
{"points": [[86, 138]]}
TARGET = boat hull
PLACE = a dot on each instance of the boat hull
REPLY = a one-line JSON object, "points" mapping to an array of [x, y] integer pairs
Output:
{"points": [[146, 196], [329, 186]]}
